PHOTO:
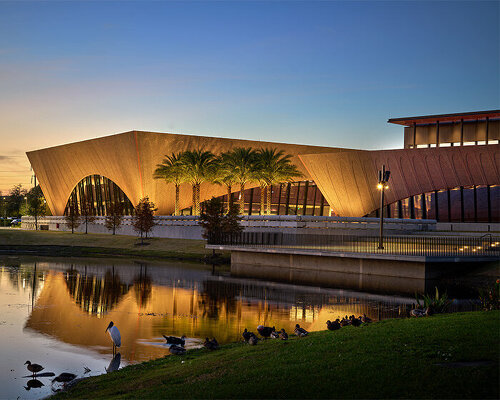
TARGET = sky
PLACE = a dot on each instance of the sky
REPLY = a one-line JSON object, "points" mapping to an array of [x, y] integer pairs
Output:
{"points": [[324, 73]]}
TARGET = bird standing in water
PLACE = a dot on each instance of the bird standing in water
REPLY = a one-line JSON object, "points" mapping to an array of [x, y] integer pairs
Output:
{"points": [[33, 368], [114, 333]]}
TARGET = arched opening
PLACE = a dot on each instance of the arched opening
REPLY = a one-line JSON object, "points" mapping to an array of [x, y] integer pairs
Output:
{"points": [[99, 193]]}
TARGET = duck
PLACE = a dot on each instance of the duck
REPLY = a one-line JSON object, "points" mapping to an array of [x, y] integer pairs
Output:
{"points": [[333, 326], [247, 335], [253, 340], [275, 335], [283, 335], [65, 377], [33, 368], [211, 344], [365, 319], [355, 321], [265, 331], [345, 321], [175, 340], [300, 331], [177, 350], [417, 312]]}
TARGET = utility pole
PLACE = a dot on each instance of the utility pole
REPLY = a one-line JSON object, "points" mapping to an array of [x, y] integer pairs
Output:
{"points": [[383, 178]]}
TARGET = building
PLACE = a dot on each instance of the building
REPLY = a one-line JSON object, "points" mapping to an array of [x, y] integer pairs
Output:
{"points": [[449, 170]]}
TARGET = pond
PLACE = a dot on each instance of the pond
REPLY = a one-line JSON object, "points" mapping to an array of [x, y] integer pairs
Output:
{"points": [[54, 312]]}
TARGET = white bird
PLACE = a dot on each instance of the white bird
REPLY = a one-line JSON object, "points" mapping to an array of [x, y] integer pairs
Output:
{"points": [[114, 333]]}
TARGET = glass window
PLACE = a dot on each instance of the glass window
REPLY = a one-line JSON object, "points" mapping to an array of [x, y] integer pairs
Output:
{"points": [[482, 203], [405, 208], [495, 203], [455, 205], [442, 200], [468, 205], [417, 205], [394, 210]]}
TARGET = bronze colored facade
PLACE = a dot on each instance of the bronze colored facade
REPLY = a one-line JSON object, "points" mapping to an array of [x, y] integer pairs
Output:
{"points": [[454, 153], [129, 160]]}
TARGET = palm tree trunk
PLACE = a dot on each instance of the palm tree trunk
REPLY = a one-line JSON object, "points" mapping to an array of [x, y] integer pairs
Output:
{"points": [[268, 192], [229, 192], [177, 191], [242, 198], [194, 199], [197, 199], [262, 199]]}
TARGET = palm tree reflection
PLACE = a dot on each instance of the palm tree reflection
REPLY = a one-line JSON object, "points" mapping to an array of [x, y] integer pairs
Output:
{"points": [[143, 286], [94, 294]]}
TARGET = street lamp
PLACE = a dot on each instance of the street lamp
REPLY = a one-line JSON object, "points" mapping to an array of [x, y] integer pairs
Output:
{"points": [[383, 179]]}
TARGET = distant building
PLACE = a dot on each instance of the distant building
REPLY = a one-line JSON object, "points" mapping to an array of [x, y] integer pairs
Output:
{"points": [[449, 170]]}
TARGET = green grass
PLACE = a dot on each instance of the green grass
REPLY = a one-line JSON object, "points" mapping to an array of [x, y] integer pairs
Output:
{"points": [[79, 244], [389, 359]]}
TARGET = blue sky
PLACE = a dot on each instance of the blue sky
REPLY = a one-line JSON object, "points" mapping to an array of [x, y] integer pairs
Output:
{"points": [[324, 73]]}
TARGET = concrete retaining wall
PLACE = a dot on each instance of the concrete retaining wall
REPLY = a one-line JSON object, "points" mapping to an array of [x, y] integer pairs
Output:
{"points": [[187, 227]]}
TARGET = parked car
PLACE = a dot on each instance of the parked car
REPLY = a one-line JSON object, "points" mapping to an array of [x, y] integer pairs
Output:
{"points": [[15, 222]]}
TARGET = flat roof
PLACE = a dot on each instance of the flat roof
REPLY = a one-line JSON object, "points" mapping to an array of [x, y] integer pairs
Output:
{"points": [[429, 119]]}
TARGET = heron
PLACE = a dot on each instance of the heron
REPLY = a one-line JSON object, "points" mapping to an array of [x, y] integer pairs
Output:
{"points": [[114, 333]]}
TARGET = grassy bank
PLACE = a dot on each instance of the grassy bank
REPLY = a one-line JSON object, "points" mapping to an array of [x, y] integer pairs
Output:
{"points": [[16, 241], [408, 358]]}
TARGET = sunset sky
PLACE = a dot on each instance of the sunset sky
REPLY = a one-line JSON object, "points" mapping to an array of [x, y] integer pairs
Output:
{"points": [[321, 73]]}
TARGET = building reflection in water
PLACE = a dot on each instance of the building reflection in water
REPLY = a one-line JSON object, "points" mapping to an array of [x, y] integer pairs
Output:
{"points": [[75, 303]]}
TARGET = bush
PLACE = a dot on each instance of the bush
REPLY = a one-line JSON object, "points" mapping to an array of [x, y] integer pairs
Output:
{"points": [[216, 223], [437, 303], [490, 298]]}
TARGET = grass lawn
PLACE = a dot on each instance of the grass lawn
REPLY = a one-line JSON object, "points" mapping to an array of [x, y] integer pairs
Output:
{"points": [[92, 244], [406, 358]]}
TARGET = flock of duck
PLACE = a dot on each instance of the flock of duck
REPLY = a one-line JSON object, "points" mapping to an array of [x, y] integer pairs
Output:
{"points": [[177, 344]]}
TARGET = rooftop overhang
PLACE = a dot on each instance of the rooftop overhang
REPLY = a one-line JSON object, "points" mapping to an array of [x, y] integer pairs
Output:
{"points": [[457, 117]]}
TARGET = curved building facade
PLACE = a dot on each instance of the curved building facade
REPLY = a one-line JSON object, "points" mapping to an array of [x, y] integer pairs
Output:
{"points": [[449, 170]]}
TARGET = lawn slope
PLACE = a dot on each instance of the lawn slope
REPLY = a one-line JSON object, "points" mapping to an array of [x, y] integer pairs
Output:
{"points": [[407, 358], [17, 241]]}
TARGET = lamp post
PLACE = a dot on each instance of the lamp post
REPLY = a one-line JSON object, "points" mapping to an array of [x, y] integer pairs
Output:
{"points": [[383, 178]]}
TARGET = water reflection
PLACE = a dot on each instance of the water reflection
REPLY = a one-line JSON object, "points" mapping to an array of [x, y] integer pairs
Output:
{"points": [[114, 365], [95, 295], [33, 384], [56, 312]]}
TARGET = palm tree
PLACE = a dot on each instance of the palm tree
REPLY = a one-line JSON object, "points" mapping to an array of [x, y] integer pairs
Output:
{"points": [[172, 171], [224, 175], [273, 167], [198, 166], [241, 161]]}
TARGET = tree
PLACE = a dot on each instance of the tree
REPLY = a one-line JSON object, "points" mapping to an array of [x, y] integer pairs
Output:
{"points": [[143, 220], [87, 214], [241, 161], [199, 166], [224, 175], [172, 171], [273, 167], [218, 224], [114, 216], [15, 201], [72, 215], [36, 204]]}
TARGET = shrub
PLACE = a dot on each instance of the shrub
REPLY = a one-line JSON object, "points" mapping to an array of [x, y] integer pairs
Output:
{"points": [[490, 298], [437, 303]]}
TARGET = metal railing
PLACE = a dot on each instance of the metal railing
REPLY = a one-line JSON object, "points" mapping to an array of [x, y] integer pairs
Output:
{"points": [[436, 246]]}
